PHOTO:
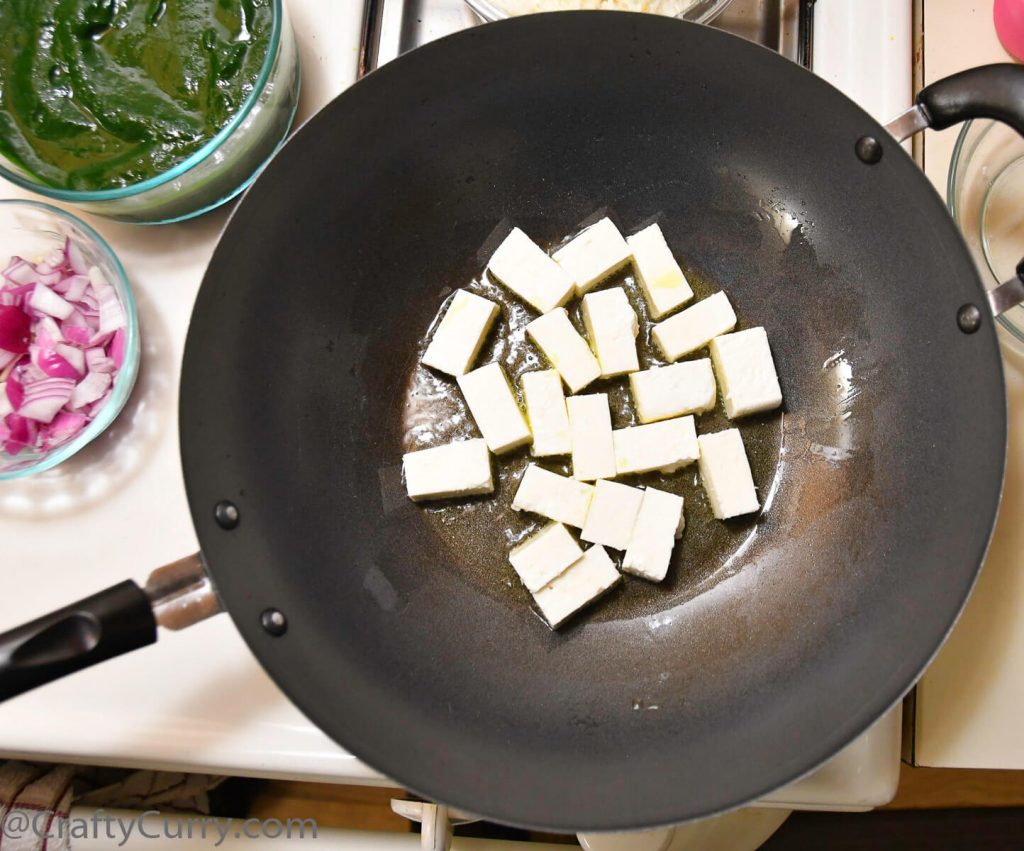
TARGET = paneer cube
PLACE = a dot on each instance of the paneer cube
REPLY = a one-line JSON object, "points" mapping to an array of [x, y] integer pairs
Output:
{"points": [[593, 255], [663, 283], [612, 514], [460, 334], [665, 446], [695, 327], [566, 350], [588, 578], [725, 474], [663, 392], [544, 556], [746, 372], [658, 525], [462, 468], [522, 266], [590, 424], [553, 496], [546, 412], [494, 408], [612, 326]]}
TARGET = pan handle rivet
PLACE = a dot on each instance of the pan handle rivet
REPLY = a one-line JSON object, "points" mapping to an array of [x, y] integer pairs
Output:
{"points": [[226, 514], [869, 149], [274, 622], [968, 318]]}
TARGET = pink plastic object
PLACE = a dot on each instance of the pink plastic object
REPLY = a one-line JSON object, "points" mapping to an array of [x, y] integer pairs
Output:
{"points": [[1009, 19]]}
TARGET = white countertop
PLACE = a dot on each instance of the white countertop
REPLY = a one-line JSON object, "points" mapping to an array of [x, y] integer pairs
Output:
{"points": [[198, 700], [969, 702]]}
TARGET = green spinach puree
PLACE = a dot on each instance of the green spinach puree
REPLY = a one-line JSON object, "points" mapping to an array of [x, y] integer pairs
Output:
{"points": [[100, 94]]}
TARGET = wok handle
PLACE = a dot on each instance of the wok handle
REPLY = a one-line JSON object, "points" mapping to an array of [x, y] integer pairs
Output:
{"points": [[990, 91], [118, 620], [115, 621], [1008, 294]]}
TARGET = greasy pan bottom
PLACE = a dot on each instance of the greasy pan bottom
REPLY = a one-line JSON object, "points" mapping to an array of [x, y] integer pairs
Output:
{"points": [[775, 640]]}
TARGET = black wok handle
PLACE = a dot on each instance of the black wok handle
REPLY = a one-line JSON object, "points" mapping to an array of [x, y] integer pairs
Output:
{"points": [[115, 621], [991, 91]]}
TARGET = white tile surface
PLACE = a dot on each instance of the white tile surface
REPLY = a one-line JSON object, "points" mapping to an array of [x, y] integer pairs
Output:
{"points": [[118, 510], [969, 701]]}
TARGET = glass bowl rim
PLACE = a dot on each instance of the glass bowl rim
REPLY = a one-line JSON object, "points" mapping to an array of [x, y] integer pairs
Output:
{"points": [[487, 10], [187, 164], [957, 164], [129, 369]]}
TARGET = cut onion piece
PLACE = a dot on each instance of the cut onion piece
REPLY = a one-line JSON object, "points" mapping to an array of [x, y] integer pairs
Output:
{"points": [[44, 398], [98, 361], [65, 426], [76, 260], [47, 301], [15, 329], [90, 388]]}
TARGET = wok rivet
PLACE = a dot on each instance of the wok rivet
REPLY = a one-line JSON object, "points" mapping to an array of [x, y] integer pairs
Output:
{"points": [[869, 149], [968, 318], [226, 514], [274, 622]]}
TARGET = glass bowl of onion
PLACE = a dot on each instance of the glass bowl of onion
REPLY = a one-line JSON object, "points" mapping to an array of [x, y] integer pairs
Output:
{"points": [[698, 11], [69, 337]]}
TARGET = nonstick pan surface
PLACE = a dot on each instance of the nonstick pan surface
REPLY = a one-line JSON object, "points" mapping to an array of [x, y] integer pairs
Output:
{"points": [[774, 640]]}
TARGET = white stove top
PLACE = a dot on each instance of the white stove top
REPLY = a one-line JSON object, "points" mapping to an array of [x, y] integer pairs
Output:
{"points": [[198, 700]]}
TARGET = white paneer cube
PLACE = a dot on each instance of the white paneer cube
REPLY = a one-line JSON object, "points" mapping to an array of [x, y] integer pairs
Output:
{"points": [[462, 468], [544, 555], [494, 408], [595, 254], [612, 514], [546, 413], [663, 282], [746, 372], [522, 266], [671, 391], [553, 496], [590, 424], [725, 473], [563, 346], [658, 524], [664, 446], [584, 581], [612, 326], [695, 327], [460, 333]]}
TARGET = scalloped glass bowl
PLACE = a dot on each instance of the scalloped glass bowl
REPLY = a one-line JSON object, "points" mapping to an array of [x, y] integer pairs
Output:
{"points": [[218, 171], [985, 195], [700, 12], [31, 229]]}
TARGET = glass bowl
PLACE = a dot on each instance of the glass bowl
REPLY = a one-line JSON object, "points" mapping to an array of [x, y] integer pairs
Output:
{"points": [[700, 11], [31, 229], [219, 170], [985, 194]]}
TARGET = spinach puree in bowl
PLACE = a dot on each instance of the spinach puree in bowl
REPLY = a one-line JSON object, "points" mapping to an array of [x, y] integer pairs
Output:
{"points": [[101, 94]]}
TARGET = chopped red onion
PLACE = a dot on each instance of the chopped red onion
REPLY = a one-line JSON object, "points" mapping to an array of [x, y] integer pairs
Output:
{"points": [[15, 329], [45, 300], [90, 389], [21, 433], [62, 344], [97, 360], [45, 397]]}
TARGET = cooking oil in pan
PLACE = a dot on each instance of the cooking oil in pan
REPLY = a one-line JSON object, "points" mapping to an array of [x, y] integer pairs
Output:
{"points": [[479, 532]]}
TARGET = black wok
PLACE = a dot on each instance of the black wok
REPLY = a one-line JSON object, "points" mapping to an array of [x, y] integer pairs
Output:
{"points": [[396, 628]]}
